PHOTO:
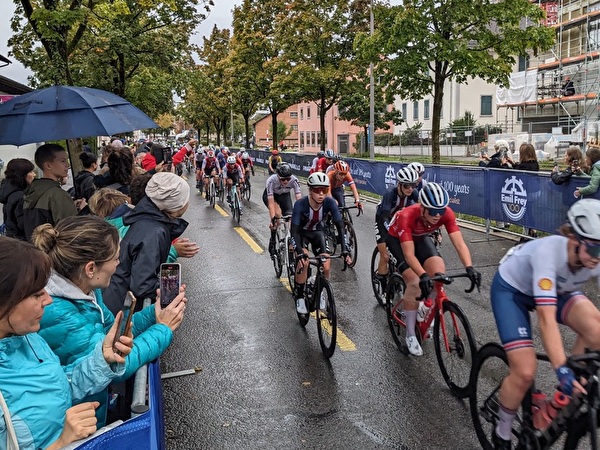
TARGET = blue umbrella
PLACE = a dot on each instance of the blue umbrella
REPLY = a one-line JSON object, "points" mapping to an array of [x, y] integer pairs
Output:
{"points": [[66, 112]]}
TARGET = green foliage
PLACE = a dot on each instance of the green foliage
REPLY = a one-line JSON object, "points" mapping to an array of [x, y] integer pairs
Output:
{"points": [[412, 135]]}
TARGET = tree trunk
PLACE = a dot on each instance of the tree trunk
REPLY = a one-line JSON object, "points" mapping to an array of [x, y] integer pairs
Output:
{"points": [[247, 130], [274, 115], [438, 96], [322, 112]]}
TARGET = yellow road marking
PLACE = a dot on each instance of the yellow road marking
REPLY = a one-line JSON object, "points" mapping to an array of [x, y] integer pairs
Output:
{"points": [[343, 341], [246, 237], [221, 211]]}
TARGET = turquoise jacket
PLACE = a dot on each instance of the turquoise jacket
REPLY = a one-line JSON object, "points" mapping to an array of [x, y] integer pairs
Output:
{"points": [[75, 322], [38, 390], [592, 187]]}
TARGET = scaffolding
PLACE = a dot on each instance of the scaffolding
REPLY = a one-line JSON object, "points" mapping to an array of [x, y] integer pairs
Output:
{"points": [[575, 57]]}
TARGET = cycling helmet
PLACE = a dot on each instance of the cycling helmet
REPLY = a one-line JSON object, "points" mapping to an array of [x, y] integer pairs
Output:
{"points": [[584, 218], [407, 175], [338, 157], [418, 167], [434, 196], [284, 170], [317, 179], [321, 153], [231, 160], [211, 154], [245, 156], [342, 167], [329, 153]]}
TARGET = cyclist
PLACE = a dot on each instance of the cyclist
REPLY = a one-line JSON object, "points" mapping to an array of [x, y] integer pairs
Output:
{"points": [[307, 227], [276, 197], [232, 174], [326, 161], [418, 259], [274, 160], [199, 160], [420, 169], [337, 177], [222, 157], [247, 165], [210, 168], [546, 275], [313, 166], [395, 199]]}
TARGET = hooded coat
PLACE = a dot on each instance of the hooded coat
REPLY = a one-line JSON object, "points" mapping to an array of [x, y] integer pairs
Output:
{"points": [[84, 185], [11, 197], [75, 322], [144, 248]]}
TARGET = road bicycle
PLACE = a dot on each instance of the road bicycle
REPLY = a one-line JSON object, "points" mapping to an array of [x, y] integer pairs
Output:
{"points": [[331, 233], [316, 292], [212, 190], [453, 338], [246, 188], [235, 205], [378, 289], [221, 191], [282, 248], [576, 419]]}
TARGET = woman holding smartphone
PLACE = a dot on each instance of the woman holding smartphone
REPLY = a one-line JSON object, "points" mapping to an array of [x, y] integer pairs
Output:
{"points": [[37, 389], [84, 252]]}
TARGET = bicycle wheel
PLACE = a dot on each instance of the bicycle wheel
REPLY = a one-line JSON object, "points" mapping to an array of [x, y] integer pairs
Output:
{"points": [[212, 194], [352, 242], [221, 190], [394, 308], [326, 318], [291, 269], [278, 257], [489, 369], [378, 290], [456, 361], [236, 208], [331, 236], [248, 191]]}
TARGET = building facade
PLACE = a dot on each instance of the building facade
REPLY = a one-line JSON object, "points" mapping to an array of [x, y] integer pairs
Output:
{"points": [[263, 133]]}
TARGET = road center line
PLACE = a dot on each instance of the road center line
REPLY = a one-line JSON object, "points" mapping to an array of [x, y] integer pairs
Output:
{"points": [[342, 341], [246, 237]]}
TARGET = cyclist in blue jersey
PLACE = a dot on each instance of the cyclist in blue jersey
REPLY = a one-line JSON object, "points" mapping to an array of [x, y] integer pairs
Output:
{"points": [[546, 276], [308, 218]]}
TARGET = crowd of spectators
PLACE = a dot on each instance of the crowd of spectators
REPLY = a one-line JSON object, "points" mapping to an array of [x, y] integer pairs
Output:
{"points": [[62, 293]]}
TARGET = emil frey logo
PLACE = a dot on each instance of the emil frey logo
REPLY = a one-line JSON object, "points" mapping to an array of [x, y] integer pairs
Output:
{"points": [[390, 177], [514, 198]]}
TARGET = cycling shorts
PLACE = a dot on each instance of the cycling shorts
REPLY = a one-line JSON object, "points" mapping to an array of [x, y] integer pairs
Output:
{"points": [[380, 230], [424, 249], [234, 177], [511, 312], [209, 171], [317, 241], [338, 194], [283, 200]]}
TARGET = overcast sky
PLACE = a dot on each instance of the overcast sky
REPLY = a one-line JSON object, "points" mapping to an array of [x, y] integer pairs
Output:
{"points": [[220, 15]]}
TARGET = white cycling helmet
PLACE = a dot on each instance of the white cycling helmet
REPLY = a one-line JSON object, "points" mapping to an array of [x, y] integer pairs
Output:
{"points": [[434, 196], [231, 159], [417, 167], [317, 179], [329, 153], [407, 175], [584, 218], [245, 155]]}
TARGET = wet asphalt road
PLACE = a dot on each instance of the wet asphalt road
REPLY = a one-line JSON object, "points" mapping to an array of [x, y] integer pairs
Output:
{"points": [[264, 382]]}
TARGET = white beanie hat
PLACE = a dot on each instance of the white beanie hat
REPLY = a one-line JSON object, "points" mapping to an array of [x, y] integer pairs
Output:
{"points": [[501, 143], [168, 191]]}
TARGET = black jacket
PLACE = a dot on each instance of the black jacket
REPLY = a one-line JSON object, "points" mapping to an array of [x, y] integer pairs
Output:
{"points": [[84, 185], [11, 197], [144, 248]]}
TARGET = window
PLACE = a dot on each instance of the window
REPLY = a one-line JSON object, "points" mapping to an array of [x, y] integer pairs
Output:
{"points": [[426, 109], [294, 114], [301, 113], [318, 138], [318, 112], [594, 35], [294, 127], [308, 112], [486, 105], [404, 111], [302, 139], [523, 63], [313, 138], [416, 110]]}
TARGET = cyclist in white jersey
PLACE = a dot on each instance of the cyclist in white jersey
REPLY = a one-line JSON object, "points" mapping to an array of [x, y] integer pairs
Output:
{"points": [[546, 275]]}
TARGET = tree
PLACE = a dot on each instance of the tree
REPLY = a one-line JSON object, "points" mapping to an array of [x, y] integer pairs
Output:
{"points": [[419, 46]]}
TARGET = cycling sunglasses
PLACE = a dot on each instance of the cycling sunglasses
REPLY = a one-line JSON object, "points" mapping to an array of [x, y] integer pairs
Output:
{"points": [[592, 248], [408, 185], [319, 190], [433, 212], [285, 178]]}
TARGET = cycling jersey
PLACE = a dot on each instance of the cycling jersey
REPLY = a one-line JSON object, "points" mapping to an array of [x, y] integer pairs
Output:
{"points": [[233, 172], [305, 219], [322, 164], [410, 223], [247, 163], [336, 182], [391, 202], [275, 186]]}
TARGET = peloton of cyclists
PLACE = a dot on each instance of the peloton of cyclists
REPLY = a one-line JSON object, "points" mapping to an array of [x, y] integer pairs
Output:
{"points": [[313, 166], [210, 168], [394, 199], [418, 258], [276, 197], [326, 161], [339, 175], [307, 228], [232, 174], [247, 165], [546, 275]]}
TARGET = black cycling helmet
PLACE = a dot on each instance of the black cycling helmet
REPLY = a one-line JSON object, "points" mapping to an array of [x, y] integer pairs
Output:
{"points": [[284, 170]]}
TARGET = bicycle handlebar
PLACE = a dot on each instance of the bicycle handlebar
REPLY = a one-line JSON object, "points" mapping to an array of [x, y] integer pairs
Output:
{"points": [[447, 279], [360, 210], [585, 364], [319, 260]]}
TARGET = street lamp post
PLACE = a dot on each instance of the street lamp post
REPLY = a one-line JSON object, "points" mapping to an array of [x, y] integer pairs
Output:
{"points": [[371, 97]]}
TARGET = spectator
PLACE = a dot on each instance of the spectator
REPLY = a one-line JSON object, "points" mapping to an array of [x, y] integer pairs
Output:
{"points": [[592, 159], [568, 88], [44, 200], [499, 160], [39, 391], [83, 183], [120, 171], [154, 223], [84, 254], [86, 147], [19, 174], [154, 160], [528, 162], [576, 166]]}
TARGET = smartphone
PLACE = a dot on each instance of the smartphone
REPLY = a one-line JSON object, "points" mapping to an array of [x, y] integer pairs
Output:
{"points": [[170, 281], [128, 309], [575, 163], [483, 153], [167, 155]]}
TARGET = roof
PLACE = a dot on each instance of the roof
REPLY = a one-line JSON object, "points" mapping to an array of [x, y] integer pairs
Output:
{"points": [[11, 87]]}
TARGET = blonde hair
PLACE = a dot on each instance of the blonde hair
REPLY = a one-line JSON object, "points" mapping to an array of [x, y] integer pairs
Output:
{"points": [[105, 201], [75, 241]]}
